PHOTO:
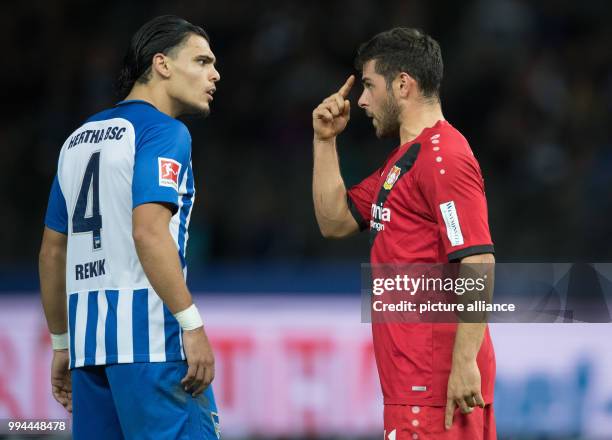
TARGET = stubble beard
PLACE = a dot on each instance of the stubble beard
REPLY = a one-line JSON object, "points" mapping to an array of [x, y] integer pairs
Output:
{"points": [[197, 112], [193, 109], [388, 121]]}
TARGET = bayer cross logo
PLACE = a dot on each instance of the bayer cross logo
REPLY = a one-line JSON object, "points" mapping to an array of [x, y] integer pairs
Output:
{"points": [[392, 177]]}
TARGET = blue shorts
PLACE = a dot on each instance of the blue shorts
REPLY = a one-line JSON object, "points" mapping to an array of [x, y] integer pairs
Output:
{"points": [[140, 401]]}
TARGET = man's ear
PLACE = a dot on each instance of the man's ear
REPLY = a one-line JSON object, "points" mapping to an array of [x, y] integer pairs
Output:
{"points": [[405, 84], [160, 65]]}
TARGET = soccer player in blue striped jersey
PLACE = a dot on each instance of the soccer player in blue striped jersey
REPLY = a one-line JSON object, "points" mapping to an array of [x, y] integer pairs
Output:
{"points": [[131, 358]]}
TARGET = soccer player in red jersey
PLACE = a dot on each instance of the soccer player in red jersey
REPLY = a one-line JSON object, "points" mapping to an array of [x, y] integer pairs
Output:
{"points": [[425, 204]]}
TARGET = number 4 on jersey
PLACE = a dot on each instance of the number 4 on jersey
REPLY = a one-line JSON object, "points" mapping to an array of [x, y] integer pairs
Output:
{"points": [[89, 188]]}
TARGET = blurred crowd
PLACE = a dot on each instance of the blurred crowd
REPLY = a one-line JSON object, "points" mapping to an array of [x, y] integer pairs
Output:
{"points": [[528, 83]]}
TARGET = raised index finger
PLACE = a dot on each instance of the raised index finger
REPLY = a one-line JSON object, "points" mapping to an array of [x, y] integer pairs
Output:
{"points": [[346, 87]]}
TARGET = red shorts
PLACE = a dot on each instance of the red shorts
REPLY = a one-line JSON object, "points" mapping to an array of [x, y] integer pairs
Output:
{"points": [[406, 422]]}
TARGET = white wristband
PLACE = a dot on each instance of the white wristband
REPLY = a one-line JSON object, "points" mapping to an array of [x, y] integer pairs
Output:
{"points": [[59, 342], [189, 318]]}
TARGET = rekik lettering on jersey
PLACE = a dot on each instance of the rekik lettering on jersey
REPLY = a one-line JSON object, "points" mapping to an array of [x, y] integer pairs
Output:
{"points": [[379, 216], [89, 270]]}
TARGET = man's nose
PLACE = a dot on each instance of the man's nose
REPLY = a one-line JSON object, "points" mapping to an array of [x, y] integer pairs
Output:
{"points": [[216, 76], [362, 101]]}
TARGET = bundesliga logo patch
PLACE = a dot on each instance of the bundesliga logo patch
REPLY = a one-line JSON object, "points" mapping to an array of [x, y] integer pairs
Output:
{"points": [[392, 177], [169, 170]]}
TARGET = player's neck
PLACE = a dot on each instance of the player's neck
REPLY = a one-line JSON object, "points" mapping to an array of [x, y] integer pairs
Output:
{"points": [[416, 118], [155, 96]]}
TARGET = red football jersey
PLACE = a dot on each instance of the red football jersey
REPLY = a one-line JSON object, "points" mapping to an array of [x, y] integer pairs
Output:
{"points": [[426, 204]]}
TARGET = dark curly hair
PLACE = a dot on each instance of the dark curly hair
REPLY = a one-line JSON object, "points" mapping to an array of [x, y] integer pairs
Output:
{"points": [[405, 50]]}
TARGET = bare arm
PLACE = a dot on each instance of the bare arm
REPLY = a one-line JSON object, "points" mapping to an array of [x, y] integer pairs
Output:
{"points": [[328, 191], [464, 383], [52, 275], [469, 335], [159, 259], [157, 253]]}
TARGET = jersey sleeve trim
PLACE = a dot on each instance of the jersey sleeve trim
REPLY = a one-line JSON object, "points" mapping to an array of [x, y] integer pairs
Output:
{"points": [[471, 250], [56, 217], [56, 228], [363, 224], [171, 200]]}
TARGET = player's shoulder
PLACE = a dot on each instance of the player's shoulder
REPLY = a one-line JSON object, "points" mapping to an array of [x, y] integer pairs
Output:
{"points": [[166, 126], [443, 144], [444, 154], [144, 116], [150, 124]]}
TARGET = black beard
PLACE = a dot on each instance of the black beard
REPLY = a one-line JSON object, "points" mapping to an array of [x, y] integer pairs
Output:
{"points": [[388, 122]]}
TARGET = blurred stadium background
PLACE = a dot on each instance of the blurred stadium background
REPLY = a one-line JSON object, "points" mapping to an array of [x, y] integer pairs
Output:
{"points": [[528, 83]]}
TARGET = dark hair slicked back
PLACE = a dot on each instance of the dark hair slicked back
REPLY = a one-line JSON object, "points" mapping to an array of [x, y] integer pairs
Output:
{"points": [[159, 35], [405, 50]]}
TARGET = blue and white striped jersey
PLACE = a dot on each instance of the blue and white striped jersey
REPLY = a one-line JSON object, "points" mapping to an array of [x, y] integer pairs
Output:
{"points": [[119, 159]]}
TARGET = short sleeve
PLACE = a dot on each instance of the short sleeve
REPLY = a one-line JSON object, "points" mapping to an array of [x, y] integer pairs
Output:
{"points": [[162, 158], [360, 198], [56, 217], [453, 188]]}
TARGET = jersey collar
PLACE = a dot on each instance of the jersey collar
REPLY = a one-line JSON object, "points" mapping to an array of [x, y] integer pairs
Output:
{"points": [[439, 124], [134, 101]]}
